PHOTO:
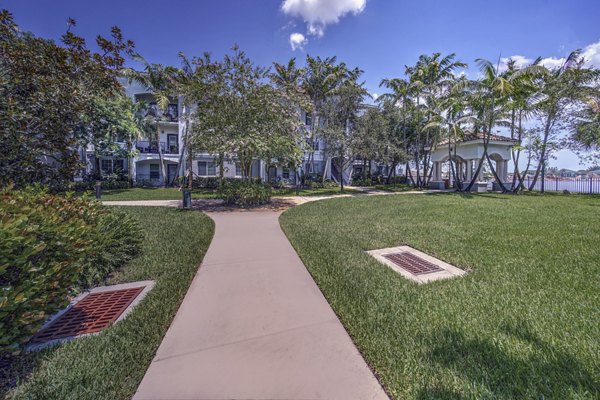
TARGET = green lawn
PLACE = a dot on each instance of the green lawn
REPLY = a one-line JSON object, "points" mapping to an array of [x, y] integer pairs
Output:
{"points": [[313, 192], [394, 188], [151, 193], [524, 323], [111, 365]]}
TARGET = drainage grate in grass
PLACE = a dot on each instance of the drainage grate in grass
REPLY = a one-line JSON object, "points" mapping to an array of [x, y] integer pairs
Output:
{"points": [[412, 263], [93, 313], [415, 265]]}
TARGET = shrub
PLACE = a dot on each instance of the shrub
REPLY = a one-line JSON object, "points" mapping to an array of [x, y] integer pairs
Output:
{"points": [[245, 193], [51, 247], [212, 182], [315, 181]]}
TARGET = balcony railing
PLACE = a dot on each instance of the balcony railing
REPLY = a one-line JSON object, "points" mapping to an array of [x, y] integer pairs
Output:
{"points": [[171, 114], [149, 147]]}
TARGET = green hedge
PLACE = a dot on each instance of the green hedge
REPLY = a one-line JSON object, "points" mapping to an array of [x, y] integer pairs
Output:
{"points": [[245, 193], [51, 247]]}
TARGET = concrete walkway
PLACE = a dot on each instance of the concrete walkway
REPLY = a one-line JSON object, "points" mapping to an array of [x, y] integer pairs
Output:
{"points": [[254, 325]]}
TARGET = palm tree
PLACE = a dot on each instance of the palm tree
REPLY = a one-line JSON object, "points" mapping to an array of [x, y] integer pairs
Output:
{"points": [[431, 78], [157, 79], [560, 89], [488, 99], [520, 108], [586, 130], [401, 92], [321, 78]]}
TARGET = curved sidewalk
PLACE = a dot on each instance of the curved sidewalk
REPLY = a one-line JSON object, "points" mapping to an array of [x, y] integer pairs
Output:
{"points": [[254, 325]]}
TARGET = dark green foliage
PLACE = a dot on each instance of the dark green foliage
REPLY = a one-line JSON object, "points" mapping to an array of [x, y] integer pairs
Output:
{"points": [[210, 182], [522, 324], [52, 246], [47, 95], [245, 193], [315, 181]]}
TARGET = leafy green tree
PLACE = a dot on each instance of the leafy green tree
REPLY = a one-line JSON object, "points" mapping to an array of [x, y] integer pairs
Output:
{"points": [[110, 123], [46, 91], [244, 115]]}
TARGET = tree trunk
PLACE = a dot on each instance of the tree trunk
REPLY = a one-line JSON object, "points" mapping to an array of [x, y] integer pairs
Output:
{"points": [[392, 170], [542, 162], [160, 156]]}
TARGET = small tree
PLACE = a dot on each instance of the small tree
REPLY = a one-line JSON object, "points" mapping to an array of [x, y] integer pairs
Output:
{"points": [[242, 114]]}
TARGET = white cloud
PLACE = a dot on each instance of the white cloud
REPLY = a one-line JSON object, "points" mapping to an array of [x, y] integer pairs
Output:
{"points": [[298, 41], [375, 96], [319, 13], [591, 53]]}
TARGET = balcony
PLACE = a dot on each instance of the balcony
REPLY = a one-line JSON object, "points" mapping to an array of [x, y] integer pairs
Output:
{"points": [[149, 147], [171, 114]]}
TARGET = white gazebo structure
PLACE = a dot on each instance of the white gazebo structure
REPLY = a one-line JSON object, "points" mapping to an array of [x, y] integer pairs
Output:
{"points": [[466, 155]]}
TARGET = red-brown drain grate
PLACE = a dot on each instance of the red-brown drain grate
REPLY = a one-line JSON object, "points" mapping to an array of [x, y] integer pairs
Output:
{"points": [[93, 313], [412, 263]]}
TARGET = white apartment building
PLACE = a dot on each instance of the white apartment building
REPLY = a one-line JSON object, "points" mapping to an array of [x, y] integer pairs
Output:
{"points": [[146, 168]]}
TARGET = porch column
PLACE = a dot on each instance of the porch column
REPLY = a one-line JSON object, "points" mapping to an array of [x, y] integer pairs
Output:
{"points": [[505, 175], [460, 170], [436, 166], [469, 170], [499, 170]]}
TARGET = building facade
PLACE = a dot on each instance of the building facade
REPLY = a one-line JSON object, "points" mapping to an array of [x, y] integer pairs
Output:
{"points": [[145, 168]]}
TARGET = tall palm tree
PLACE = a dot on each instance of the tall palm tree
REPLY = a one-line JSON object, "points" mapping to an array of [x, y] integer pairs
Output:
{"points": [[488, 99], [158, 80], [560, 89], [431, 78], [401, 92], [321, 78]]}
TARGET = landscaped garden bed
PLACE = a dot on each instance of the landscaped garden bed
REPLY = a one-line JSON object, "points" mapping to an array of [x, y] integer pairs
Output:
{"points": [[111, 364], [523, 323]]}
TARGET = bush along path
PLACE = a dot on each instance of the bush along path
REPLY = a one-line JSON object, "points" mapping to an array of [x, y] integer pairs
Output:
{"points": [[111, 364]]}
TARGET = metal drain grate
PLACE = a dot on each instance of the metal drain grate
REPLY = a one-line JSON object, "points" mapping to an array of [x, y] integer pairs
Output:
{"points": [[412, 263], [93, 313]]}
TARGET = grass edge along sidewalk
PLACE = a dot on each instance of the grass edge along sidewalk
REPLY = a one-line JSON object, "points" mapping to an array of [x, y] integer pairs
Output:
{"points": [[111, 364], [523, 323]]}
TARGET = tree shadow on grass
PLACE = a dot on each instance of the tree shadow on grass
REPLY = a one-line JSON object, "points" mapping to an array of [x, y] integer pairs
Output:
{"points": [[544, 372]]}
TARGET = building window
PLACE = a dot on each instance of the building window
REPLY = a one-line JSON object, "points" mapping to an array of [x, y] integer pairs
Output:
{"points": [[206, 168], [238, 169], [154, 171], [286, 173], [118, 165], [316, 167], [106, 166], [112, 166]]}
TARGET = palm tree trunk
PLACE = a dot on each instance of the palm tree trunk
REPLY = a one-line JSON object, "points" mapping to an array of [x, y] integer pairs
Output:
{"points": [[160, 156], [542, 162]]}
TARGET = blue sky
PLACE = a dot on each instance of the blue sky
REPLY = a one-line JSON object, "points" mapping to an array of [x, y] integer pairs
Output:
{"points": [[379, 36]]}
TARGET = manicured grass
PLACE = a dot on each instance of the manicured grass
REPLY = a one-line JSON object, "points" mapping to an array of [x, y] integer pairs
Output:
{"points": [[524, 323], [149, 193], [394, 188], [111, 364], [313, 192], [152, 193]]}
